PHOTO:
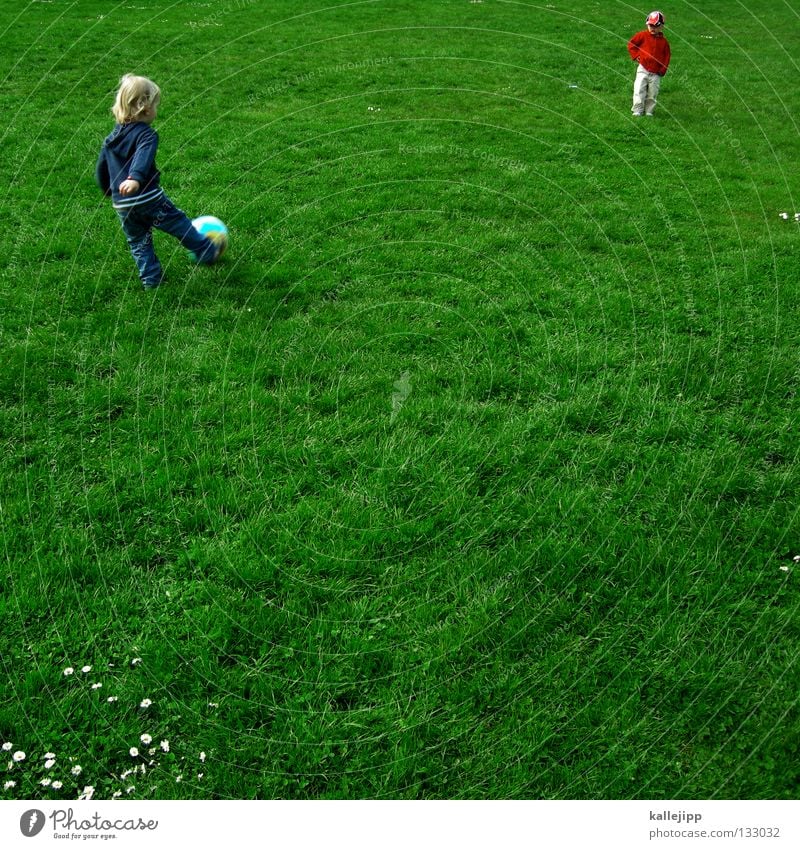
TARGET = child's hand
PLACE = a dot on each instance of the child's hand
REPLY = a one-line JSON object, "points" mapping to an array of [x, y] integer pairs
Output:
{"points": [[129, 187]]}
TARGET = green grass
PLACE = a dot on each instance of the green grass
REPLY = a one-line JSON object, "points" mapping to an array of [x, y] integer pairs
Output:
{"points": [[471, 471]]}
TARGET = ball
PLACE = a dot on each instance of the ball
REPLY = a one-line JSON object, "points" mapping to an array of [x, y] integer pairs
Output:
{"points": [[214, 229]]}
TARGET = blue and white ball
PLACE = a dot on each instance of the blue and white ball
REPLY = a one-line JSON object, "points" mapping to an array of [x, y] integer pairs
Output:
{"points": [[214, 229]]}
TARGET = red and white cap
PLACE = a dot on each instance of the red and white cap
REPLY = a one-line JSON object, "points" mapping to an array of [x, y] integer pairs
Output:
{"points": [[655, 19]]}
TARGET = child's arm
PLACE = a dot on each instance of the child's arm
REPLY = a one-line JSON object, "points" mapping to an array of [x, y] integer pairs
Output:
{"points": [[142, 162], [101, 175], [634, 46]]}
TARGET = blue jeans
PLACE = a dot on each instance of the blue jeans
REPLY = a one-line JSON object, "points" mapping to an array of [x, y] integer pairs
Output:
{"points": [[137, 224]]}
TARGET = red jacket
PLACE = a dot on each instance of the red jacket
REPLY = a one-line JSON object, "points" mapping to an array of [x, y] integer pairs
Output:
{"points": [[650, 51]]}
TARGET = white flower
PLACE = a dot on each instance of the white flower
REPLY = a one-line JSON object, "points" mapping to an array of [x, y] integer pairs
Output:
{"points": [[164, 745], [203, 757], [69, 670], [146, 739], [178, 778], [50, 764], [97, 686], [199, 774], [130, 789], [126, 774], [133, 752], [136, 661], [86, 669], [145, 703], [7, 747], [49, 755], [111, 699], [116, 794], [213, 704], [56, 785], [18, 757], [9, 784], [87, 794], [77, 769], [151, 751], [45, 782]]}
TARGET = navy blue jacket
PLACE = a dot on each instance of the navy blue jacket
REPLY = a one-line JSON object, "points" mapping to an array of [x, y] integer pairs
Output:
{"points": [[129, 152]]}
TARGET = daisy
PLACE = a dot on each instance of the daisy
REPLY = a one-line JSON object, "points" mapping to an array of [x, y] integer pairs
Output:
{"points": [[50, 764], [136, 661], [9, 784], [18, 757], [116, 794], [145, 703], [77, 769], [203, 757], [112, 699], [56, 785], [130, 789], [146, 739], [7, 747], [133, 752], [178, 779], [69, 671], [85, 669], [87, 794], [97, 686], [49, 755], [45, 782], [164, 745]]}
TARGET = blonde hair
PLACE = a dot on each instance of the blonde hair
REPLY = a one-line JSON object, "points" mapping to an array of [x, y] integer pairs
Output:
{"points": [[135, 97]]}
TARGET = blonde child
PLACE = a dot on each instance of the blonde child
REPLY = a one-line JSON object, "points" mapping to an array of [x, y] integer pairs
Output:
{"points": [[126, 172], [651, 50]]}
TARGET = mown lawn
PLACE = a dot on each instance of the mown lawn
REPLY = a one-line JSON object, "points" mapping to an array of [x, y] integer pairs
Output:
{"points": [[470, 472]]}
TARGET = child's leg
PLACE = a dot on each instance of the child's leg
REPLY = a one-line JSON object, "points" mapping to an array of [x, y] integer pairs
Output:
{"points": [[137, 226], [639, 91], [654, 84], [172, 220]]}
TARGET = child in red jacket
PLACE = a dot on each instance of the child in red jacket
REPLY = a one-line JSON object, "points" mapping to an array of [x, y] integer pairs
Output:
{"points": [[651, 50]]}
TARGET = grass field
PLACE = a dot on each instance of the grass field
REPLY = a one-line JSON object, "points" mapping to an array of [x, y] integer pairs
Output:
{"points": [[471, 471]]}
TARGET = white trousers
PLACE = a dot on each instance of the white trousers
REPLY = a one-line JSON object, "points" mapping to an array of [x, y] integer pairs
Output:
{"points": [[645, 91]]}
